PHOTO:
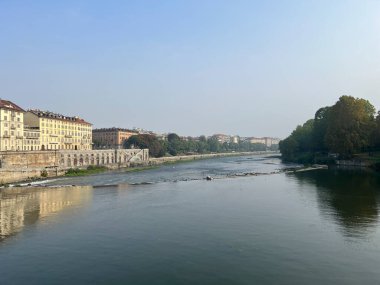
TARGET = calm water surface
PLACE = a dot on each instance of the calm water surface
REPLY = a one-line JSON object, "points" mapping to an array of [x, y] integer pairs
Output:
{"points": [[315, 227]]}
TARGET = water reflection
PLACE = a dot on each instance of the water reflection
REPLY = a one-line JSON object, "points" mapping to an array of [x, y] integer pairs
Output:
{"points": [[25, 206], [349, 197]]}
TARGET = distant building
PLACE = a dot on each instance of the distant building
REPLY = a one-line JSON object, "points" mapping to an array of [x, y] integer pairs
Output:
{"points": [[11, 126], [275, 141], [265, 140], [59, 132], [111, 137], [257, 140], [222, 138], [235, 139]]}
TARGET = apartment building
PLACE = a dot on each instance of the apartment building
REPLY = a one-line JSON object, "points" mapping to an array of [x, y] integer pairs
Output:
{"points": [[111, 137], [11, 126], [59, 132]]}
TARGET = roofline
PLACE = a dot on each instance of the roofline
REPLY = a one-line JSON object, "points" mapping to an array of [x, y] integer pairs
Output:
{"points": [[78, 121], [12, 109]]}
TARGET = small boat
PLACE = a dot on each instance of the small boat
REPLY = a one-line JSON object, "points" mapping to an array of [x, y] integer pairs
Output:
{"points": [[208, 178]]}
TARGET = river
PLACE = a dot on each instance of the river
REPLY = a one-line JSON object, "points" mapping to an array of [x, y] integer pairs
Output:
{"points": [[252, 224]]}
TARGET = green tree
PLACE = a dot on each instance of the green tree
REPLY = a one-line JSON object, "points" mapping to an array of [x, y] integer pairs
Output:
{"points": [[376, 133], [173, 137], [300, 142], [156, 147], [350, 124], [321, 121], [213, 145], [289, 148], [175, 144]]}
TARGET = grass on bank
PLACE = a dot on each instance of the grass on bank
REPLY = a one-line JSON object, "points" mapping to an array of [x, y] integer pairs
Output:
{"points": [[89, 170], [72, 172]]}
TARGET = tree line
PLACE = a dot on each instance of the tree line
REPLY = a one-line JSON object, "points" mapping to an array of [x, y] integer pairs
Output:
{"points": [[349, 127], [175, 145]]}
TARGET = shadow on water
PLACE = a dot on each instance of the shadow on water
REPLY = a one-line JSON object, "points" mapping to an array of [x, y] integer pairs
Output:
{"points": [[25, 207], [349, 196]]}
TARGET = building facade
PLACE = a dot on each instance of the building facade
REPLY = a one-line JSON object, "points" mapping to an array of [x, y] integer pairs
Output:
{"points": [[266, 141], [11, 126], [31, 138], [111, 137], [58, 132]]}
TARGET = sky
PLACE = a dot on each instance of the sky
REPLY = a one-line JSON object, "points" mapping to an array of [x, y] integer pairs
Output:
{"points": [[194, 67]]}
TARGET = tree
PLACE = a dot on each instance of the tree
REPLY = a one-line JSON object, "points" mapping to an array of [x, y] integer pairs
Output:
{"points": [[289, 148], [350, 124], [175, 144], [376, 133], [202, 138], [213, 145], [173, 137], [300, 141], [321, 120], [156, 147]]}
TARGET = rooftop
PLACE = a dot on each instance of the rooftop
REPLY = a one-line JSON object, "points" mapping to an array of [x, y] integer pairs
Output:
{"points": [[114, 129], [48, 114], [4, 104]]}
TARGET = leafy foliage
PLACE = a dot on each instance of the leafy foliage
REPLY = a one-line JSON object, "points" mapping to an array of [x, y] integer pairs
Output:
{"points": [[350, 125], [300, 141], [346, 128], [91, 169], [155, 146], [176, 145]]}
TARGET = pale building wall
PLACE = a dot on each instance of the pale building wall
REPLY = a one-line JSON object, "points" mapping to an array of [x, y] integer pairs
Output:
{"points": [[258, 140], [60, 134], [11, 130], [31, 139]]}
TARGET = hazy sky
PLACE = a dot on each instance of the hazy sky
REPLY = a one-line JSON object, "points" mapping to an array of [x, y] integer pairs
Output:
{"points": [[254, 68]]}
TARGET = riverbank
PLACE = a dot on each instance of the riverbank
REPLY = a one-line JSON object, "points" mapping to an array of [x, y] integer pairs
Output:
{"points": [[361, 160], [184, 158], [19, 176]]}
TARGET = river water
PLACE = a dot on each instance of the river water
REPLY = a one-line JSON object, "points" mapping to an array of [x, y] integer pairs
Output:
{"points": [[170, 226]]}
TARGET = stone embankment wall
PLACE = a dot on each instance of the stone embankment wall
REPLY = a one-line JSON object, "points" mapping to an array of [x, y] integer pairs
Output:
{"points": [[18, 166], [161, 160]]}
